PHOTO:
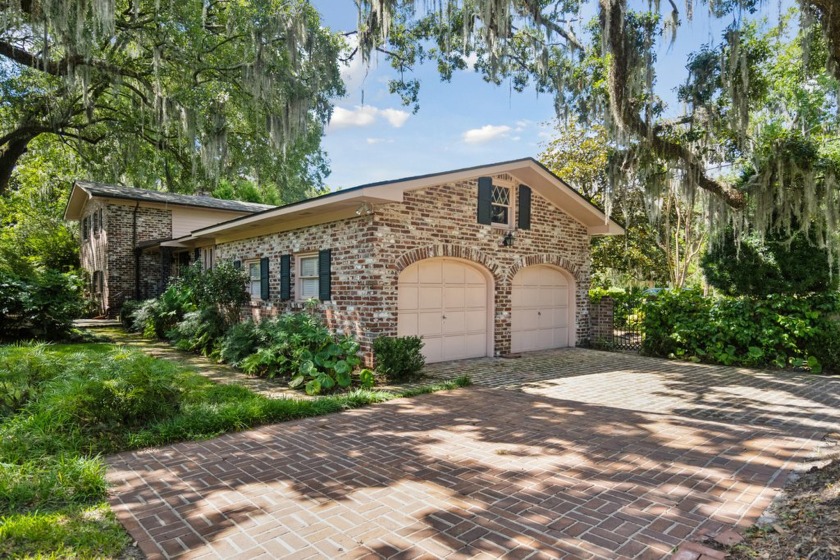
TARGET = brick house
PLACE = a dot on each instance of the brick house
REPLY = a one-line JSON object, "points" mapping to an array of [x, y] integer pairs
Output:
{"points": [[124, 233], [482, 261]]}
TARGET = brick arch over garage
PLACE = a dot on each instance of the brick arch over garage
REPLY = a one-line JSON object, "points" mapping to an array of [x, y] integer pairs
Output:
{"points": [[545, 258], [455, 251]]}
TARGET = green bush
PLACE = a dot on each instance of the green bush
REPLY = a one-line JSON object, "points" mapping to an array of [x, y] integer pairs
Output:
{"points": [[127, 313], [825, 346], [777, 330], [200, 331], [627, 303], [239, 342], [299, 346], [399, 358], [195, 310], [777, 264], [41, 306]]}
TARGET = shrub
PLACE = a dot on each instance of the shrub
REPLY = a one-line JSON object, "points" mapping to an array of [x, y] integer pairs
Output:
{"points": [[127, 313], [775, 330], [399, 358], [156, 317], [200, 331], [299, 346], [239, 342], [39, 306], [627, 303], [777, 264]]}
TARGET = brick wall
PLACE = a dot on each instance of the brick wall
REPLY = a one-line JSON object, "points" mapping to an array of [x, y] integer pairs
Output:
{"points": [[112, 251], [369, 252], [602, 319]]}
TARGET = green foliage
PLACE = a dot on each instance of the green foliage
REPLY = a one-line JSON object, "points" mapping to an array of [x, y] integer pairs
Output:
{"points": [[777, 331], [298, 346], [155, 318], [239, 342], [196, 309], [127, 313], [86, 400], [33, 233], [399, 358], [110, 81], [627, 304], [774, 265], [42, 305], [199, 331]]}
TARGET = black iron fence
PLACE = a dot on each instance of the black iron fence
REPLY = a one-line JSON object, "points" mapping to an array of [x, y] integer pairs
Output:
{"points": [[614, 327]]}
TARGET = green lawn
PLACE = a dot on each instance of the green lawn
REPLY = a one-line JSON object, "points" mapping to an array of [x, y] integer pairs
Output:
{"points": [[62, 407]]}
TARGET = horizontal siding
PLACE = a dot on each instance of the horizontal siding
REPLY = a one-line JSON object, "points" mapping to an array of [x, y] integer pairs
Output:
{"points": [[186, 220]]}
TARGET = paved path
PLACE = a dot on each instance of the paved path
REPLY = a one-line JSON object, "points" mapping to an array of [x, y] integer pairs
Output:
{"points": [[562, 454]]}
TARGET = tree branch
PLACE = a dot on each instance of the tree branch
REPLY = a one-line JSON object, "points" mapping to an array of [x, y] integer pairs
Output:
{"points": [[627, 114]]}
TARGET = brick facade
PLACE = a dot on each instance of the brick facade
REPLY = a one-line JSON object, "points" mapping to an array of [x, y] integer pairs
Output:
{"points": [[369, 252], [111, 250]]}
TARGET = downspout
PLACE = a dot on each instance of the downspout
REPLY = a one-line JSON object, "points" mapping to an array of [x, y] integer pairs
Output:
{"points": [[137, 252]]}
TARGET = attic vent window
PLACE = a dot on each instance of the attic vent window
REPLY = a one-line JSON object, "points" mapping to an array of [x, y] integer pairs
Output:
{"points": [[500, 205]]}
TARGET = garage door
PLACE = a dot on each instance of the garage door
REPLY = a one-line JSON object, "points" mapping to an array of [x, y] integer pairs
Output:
{"points": [[445, 302], [540, 312]]}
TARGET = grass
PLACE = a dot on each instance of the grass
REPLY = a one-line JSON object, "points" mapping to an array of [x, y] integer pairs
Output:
{"points": [[62, 407]]}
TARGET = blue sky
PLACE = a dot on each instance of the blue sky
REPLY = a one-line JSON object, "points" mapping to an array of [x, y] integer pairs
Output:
{"points": [[462, 123]]}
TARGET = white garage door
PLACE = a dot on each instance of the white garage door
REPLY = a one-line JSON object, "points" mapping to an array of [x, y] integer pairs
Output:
{"points": [[445, 302], [540, 312]]}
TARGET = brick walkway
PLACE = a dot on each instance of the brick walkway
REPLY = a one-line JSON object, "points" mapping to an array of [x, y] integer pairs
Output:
{"points": [[562, 454]]}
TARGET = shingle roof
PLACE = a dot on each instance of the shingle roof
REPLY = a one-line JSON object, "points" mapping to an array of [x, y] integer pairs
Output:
{"points": [[131, 193]]}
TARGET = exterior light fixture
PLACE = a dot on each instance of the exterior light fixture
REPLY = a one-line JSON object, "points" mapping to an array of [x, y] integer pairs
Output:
{"points": [[507, 241]]}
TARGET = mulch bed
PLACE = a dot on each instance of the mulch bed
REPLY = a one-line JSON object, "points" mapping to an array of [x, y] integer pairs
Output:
{"points": [[807, 519]]}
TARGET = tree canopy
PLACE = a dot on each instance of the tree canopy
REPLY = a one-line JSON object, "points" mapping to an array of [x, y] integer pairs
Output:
{"points": [[179, 93], [766, 119]]}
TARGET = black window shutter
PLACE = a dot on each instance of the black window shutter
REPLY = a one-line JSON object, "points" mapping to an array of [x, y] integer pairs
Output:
{"points": [[264, 291], [237, 265], [196, 254], [285, 278], [324, 285], [485, 197], [524, 214]]}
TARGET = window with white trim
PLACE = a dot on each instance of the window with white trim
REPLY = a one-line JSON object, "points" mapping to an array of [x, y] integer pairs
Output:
{"points": [[254, 282], [500, 206], [307, 276]]}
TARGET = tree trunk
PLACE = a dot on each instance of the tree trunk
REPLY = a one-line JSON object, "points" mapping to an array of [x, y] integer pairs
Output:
{"points": [[9, 155]]}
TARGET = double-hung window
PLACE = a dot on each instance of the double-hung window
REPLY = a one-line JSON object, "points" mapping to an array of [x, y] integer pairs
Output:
{"points": [[308, 285], [254, 282]]}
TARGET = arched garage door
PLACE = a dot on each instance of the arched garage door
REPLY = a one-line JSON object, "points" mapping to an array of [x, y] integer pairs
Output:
{"points": [[542, 311], [445, 302]]}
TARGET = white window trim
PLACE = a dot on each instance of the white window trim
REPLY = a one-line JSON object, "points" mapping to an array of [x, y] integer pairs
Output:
{"points": [[299, 277], [511, 207], [247, 265]]}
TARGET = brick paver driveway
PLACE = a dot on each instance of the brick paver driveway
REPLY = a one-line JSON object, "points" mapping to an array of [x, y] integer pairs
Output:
{"points": [[569, 453]]}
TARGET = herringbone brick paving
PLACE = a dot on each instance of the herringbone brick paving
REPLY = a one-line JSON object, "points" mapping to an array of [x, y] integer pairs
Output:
{"points": [[561, 454]]}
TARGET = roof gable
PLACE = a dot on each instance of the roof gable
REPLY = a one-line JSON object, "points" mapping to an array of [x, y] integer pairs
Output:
{"points": [[337, 204]]}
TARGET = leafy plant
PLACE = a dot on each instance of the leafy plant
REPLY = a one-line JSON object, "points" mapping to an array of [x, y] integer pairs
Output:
{"points": [[777, 330], [239, 342], [399, 358], [300, 347], [42, 305]]}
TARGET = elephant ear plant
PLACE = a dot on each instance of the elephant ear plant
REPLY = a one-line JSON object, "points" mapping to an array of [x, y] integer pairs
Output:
{"points": [[327, 367], [300, 347]]}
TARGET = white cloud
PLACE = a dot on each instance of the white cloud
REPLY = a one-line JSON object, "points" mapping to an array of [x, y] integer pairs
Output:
{"points": [[396, 117], [360, 116], [379, 140], [367, 115], [486, 133]]}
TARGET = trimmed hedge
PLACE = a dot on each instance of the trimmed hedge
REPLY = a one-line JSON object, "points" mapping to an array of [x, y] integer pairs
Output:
{"points": [[776, 330]]}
